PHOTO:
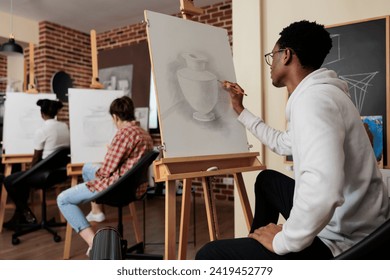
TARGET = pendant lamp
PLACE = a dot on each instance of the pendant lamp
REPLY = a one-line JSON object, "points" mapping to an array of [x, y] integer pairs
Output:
{"points": [[11, 48]]}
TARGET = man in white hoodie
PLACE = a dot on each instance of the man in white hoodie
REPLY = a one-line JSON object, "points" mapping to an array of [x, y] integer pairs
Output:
{"points": [[337, 196]]}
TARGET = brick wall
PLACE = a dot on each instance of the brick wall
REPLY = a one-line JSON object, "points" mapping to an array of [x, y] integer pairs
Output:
{"points": [[61, 48]]}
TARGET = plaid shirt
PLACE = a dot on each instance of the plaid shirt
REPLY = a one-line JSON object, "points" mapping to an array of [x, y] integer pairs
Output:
{"points": [[128, 146]]}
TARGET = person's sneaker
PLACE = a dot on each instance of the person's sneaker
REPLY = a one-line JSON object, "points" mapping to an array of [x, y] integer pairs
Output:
{"points": [[99, 217]]}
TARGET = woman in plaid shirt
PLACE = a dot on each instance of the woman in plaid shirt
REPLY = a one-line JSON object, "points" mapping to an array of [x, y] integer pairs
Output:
{"points": [[127, 147]]}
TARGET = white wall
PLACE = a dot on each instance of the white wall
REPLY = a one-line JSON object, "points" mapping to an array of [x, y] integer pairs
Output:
{"points": [[24, 31], [256, 24]]}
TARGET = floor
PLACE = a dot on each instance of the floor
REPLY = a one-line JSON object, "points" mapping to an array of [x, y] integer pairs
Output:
{"points": [[41, 246]]}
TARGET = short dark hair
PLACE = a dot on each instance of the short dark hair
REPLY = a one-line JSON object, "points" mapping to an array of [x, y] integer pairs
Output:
{"points": [[310, 42], [123, 108], [49, 107]]}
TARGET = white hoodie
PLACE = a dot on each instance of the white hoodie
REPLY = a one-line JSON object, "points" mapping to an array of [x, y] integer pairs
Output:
{"points": [[339, 192]]}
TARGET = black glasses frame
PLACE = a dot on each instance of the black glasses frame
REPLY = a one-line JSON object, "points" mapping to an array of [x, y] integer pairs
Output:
{"points": [[269, 56]]}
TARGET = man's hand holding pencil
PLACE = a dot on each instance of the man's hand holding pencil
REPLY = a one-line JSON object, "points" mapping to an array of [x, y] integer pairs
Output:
{"points": [[233, 87], [236, 95]]}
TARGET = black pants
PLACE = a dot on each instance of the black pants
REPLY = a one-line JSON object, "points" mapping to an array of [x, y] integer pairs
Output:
{"points": [[274, 195], [19, 195]]}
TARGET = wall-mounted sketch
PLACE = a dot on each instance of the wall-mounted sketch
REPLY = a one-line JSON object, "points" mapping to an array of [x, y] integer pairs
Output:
{"points": [[117, 78], [359, 56], [195, 114], [91, 125], [22, 117], [374, 128], [142, 115]]}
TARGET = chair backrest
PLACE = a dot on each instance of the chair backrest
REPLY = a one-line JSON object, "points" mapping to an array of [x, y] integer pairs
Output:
{"points": [[374, 247], [123, 191], [57, 159]]}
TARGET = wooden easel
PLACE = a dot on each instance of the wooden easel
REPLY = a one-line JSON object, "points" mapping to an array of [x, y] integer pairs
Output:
{"points": [[31, 82], [75, 170], [169, 170], [8, 161], [187, 9], [95, 75]]}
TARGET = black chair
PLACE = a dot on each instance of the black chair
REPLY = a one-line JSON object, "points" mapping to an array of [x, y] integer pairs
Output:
{"points": [[44, 175], [375, 246], [121, 194]]}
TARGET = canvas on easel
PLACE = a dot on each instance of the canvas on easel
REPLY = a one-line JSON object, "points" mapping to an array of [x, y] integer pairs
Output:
{"points": [[91, 126], [195, 114], [200, 133], [22, 117]]}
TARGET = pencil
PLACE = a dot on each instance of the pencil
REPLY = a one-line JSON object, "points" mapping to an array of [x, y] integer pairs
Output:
{"points": [[235, 88]]}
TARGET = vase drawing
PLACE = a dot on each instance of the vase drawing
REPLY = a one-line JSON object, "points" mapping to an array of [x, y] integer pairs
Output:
{"points": [[98, 127], [199, 86], [30, 120]]}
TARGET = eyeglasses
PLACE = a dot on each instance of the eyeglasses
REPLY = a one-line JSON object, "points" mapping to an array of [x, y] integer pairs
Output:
{"points": [[269, 56]]}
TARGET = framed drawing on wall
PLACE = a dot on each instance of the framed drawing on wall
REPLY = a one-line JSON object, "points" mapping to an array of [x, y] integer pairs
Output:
{"points": [[360, 56]]}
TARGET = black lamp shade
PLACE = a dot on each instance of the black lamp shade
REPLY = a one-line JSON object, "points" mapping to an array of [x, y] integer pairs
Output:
{"points": [[11, 48]]}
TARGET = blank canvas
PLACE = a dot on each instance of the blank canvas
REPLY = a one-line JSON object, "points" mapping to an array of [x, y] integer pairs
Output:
{"points": [[188, 58], [22, 117], [91, 125]]}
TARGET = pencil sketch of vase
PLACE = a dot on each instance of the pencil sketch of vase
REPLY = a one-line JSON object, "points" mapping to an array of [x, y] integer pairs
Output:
{"points": [[30, 120], [98, 127], [199, 86]]}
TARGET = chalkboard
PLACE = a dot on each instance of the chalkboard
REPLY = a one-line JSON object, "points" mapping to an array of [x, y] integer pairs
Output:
{"points": [[360, 56]]}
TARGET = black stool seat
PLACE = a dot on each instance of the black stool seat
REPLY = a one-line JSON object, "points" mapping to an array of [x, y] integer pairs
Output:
{"points": [[375, 246], [44, 175]]}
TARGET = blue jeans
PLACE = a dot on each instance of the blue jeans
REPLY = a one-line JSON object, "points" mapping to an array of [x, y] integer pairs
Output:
{"points": [[89, 171], [69, 199]]}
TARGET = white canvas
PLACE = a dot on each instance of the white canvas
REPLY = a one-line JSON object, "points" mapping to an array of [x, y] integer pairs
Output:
{"points": [[142, 115], [91, 125], [22, 117], [188, 59]]}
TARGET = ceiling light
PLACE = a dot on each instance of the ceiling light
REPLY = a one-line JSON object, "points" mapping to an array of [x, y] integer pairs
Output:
{"points": [[11, 48]]}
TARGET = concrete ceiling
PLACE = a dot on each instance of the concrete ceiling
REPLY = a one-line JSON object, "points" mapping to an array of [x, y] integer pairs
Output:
{"points": [[101, 15]]}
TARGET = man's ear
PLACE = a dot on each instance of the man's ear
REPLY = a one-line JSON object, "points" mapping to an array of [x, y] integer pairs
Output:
{"points": [[287, 56]]}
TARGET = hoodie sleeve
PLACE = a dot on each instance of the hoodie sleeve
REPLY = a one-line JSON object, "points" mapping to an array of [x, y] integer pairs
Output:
{"points": [[276, 140]]}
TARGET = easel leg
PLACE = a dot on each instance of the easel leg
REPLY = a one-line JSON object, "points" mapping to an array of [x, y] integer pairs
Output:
{"points": [[170, 220], [209, 202], [68, 242], [244, 199], [184, 218], [69, 230], [4, 195], [135, 221]]}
